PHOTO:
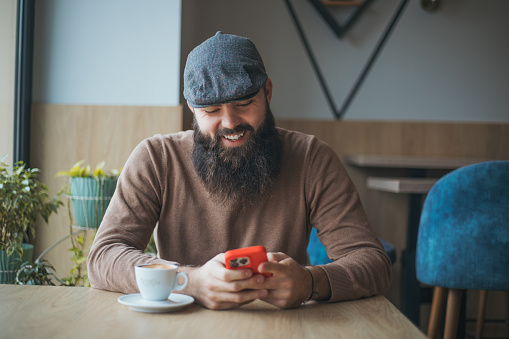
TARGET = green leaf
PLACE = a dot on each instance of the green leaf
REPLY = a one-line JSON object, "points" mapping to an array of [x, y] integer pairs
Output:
{"points": [[63, 174], [23, 200]]}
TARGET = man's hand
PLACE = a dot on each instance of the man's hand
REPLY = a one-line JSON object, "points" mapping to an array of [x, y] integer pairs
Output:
{"points": [[290, 284], [216, 287]]}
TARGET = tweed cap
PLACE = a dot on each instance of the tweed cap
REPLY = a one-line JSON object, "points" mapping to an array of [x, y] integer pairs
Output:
{"points": [[225, 68]]}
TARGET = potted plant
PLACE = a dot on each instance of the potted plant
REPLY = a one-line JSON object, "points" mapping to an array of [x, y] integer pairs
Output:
{"points": [[23, 200], [90, 193], [36, 273]]}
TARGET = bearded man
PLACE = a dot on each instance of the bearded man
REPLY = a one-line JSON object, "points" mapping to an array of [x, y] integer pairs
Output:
{"points": [[235, 181]]}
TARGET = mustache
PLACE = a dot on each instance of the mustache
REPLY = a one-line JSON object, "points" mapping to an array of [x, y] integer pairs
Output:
{"points": [[239, 175], [238, 129]]}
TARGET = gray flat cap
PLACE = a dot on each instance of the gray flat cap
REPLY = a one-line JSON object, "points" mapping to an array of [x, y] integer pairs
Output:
{"points": [[224, 68]]}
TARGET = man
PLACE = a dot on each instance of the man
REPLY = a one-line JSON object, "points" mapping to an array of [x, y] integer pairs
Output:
{"points": [[233, 182]]}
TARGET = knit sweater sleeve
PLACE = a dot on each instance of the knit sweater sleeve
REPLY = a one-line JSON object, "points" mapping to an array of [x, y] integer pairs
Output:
{"points": [[129, 221], [360, 266]]}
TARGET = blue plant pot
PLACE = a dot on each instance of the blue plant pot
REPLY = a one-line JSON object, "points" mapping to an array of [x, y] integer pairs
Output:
{"points": [[90, 199]]}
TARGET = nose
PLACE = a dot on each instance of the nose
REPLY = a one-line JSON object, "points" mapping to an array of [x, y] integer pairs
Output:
{"points": [[230, 118]]}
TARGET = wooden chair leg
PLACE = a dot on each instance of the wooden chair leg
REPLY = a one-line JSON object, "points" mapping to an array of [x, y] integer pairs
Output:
{"points": [[506, 293], [437, 312], [453, 313], [481, 311]]}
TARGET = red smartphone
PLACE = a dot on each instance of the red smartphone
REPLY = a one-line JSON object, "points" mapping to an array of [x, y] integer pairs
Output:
{"points": [[247, 257]]}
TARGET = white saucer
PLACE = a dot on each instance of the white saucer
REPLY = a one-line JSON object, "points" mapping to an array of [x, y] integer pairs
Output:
{"points": [[174, 303]]}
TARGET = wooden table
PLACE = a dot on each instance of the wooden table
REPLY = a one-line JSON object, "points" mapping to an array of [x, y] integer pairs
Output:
{"points": [[409, 162], [401, 185], [416, 184], [80, 312]]}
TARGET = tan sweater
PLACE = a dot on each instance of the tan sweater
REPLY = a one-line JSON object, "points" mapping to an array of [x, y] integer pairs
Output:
{"points": [[159, 186]]}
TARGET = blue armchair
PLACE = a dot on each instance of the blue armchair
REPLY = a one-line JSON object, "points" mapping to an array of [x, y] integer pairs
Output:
{"points": [[463, 239], [318, 256]]}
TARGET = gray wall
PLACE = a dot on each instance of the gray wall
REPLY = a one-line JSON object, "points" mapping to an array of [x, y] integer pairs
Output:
{"points": [[107, 52], [445, 66], [7, 71], [451, 65]]}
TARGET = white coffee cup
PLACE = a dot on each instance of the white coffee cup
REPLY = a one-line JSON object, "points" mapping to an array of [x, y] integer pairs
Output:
{"points": [[157, 281]]}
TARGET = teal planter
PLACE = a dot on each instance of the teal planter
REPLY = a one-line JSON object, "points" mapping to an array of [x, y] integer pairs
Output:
{"points": [[10, 264], [90, 199]]}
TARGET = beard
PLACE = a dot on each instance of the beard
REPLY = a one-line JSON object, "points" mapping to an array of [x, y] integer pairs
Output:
{"points": [[242, 174]]}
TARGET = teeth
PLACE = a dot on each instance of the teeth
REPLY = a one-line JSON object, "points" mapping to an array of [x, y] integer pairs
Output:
{"points": [[234, 137]]}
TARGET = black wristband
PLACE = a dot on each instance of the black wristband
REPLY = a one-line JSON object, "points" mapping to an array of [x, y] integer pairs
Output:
{"points": [[312, 286]]}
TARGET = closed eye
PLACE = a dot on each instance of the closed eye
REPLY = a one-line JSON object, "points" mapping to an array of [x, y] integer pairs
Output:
{"points": [[246, 103]]}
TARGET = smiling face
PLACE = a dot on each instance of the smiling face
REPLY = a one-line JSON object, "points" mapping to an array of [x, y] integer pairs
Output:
{"points": [[234, 122], [238, 161]]}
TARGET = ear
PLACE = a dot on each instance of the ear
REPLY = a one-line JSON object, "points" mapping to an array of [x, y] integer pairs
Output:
{"points": [[268, 90], [191, 108]]}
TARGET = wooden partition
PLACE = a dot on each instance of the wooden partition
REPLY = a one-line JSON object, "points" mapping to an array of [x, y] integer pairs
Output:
{"points": [[387, 211], [61, 135]]}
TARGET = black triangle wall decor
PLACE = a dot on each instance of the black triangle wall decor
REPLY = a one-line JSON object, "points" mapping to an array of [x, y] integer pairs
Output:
{"points": [[338, 28]]}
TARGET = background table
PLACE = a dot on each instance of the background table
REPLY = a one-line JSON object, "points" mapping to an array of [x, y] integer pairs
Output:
{"points": [[80, 312], [409, 162]]}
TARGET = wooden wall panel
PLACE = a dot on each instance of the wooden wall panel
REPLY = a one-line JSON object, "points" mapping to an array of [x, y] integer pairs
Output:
{"points": [[61, 135], [478, 140]]}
